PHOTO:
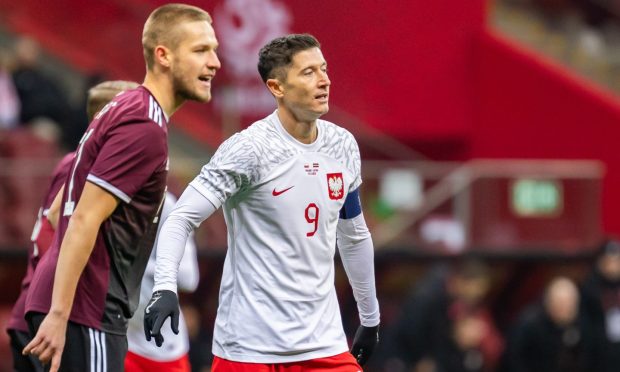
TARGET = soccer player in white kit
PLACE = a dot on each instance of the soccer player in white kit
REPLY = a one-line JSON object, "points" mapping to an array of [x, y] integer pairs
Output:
{"points": [[289, 186], [144, 356]]}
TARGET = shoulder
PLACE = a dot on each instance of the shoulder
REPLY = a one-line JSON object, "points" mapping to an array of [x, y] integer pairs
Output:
{"points": [[64, 163], [237, 150], [257, 136], [334, 129], [260, 132], [337, 134], [134, 106]]}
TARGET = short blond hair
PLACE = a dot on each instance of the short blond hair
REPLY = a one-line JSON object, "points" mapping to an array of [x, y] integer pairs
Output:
{"points": [[102, 93], [159, 27]]}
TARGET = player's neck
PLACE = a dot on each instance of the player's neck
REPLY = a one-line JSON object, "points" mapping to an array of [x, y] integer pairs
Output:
{"points": [[303, 131], [161, 89]]}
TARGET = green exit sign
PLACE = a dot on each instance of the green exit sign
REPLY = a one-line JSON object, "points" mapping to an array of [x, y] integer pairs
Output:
{"points": [[536, 198]]}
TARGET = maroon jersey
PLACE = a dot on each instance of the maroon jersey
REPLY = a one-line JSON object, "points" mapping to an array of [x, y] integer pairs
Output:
{"points": [[41, 239], [125, 152]]}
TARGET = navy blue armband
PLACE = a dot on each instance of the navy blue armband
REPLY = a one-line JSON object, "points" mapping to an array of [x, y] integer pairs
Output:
{"points": [[352, 205]]}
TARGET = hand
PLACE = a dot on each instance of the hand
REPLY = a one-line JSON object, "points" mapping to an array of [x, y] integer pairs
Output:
{"points": [[163, 304], [49, 341], [366, 338]]}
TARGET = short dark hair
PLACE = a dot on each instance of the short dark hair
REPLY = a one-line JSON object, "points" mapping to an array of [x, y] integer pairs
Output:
{"points": [[279, 52]]}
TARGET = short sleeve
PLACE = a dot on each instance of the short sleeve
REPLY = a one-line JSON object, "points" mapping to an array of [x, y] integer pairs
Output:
{"points": [[354, 162], [233, 167], [128, 158]]}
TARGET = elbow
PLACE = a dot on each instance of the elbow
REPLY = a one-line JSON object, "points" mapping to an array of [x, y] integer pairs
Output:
{"points": [[176, 221], [357, 239]]}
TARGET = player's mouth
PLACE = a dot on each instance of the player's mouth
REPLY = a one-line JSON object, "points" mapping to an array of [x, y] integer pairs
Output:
{"points": [[322, 98], [205, 80]]}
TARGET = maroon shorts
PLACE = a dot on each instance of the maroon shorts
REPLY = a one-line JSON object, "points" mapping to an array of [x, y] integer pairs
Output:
{"points": [[137, 363], [344, 362]]}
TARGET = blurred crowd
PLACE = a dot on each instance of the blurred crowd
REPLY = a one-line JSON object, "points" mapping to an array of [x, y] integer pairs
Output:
{"points": [[582, 34], [447, 323], [31, 97]]}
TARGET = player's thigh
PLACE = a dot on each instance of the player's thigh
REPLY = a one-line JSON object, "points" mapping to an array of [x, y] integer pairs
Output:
{"points": [[137, 363], [87, 349], [23, 363], [91, 350], [225, 365], [344, 362]]}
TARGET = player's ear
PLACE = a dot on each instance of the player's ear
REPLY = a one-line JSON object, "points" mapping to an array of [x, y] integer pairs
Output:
{"points": [[162, 55], [275, 87]]}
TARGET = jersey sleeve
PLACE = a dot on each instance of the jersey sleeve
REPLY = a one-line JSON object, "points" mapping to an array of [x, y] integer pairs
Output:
{"points": [[353, 159], [233, 167], [128, 158], [188, 274]]}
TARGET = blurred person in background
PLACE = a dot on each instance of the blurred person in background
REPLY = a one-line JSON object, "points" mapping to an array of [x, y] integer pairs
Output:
{"points": [[79, 117], [144, 356], [43, 232], [200, 337], [445, 325], [9, 100], [44, 105], [87, 285], [553, 335], [289, 186], [601, 304]]}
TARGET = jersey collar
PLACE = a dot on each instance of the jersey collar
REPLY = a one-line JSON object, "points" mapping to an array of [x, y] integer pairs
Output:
{"points": [[273, 118]]}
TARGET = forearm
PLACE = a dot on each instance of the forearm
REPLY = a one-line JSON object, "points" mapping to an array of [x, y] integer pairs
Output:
{"points": [[170, 247], [191, 209], [357, 254], [189, 275], [75, 250]]}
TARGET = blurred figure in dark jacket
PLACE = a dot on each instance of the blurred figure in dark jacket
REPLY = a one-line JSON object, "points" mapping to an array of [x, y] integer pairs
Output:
{"points": [[601, 304], [553, 336], [445, 325], [43, 102]]}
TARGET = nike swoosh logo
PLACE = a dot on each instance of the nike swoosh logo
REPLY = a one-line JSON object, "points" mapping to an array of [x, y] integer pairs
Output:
{"points": [[153, 300], [276, 193]]}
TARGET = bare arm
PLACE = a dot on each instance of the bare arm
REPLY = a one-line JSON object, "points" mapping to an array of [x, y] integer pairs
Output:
{"points": [[54, 212], [94, 207]]}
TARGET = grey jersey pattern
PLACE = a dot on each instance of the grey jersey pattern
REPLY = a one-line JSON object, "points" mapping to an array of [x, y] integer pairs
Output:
{"points": [[245, 158]]}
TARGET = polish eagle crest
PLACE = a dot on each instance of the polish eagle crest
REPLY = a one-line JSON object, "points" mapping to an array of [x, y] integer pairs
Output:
{"points": [[335, 185]]}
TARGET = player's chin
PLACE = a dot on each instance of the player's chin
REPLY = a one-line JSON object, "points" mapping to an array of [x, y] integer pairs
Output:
{"points": [[202, 96], [322, 109]]}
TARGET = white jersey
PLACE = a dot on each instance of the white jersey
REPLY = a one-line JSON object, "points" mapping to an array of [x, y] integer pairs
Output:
{"points": [[175, 346], [281, 202]]}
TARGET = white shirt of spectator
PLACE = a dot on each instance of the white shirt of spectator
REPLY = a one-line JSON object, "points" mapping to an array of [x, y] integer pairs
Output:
{"points": [[175, 346]]}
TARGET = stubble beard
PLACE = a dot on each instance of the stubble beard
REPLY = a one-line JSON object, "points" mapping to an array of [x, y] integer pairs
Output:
{"points": [[183, 89]]}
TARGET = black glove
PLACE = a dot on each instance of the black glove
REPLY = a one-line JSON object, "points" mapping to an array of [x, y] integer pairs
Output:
{"points": [[163, 304], [365, 341]]}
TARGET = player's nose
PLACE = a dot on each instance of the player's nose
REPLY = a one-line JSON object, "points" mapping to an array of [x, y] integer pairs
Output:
{"points": [[213, 61], [324, 80]]}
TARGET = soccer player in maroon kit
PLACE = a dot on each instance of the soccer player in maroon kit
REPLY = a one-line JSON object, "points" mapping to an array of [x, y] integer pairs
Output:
{"points": [[87, 285], [43, 231]]}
